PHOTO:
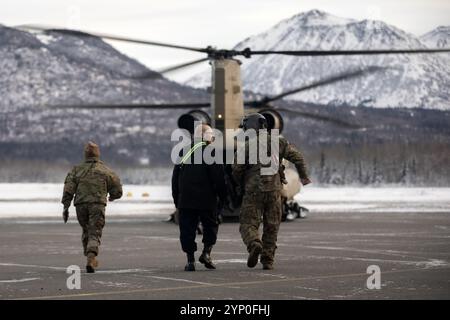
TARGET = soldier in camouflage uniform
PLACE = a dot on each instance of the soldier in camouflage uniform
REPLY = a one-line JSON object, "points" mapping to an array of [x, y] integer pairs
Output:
{"points": [[90, 183], [262, 196]]}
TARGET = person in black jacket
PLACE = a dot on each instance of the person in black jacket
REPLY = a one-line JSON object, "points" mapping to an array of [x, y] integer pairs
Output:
{"points": [[198, 191]]}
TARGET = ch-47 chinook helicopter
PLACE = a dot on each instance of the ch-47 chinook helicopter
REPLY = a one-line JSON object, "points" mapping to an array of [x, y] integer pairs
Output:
{"points": [[227, 103]]}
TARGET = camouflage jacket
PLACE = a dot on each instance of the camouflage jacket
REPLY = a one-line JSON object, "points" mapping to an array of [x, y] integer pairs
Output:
{"points": [[90, 182], [249, 178]]}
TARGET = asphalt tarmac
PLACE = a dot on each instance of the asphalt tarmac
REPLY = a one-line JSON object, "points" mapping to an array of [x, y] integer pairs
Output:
{"points": [[325, 256]]}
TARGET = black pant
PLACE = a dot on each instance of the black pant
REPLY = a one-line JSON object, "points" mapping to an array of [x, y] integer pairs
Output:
{"points": [[188, 222]]}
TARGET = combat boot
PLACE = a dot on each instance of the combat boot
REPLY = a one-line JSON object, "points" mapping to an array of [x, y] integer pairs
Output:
{"points": [[254, 253], [190, 265], [267, 266], [92, 262], [205, 258]]}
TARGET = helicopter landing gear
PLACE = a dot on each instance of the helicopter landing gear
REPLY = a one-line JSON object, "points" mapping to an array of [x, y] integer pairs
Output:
{"points": [[292, 210]]}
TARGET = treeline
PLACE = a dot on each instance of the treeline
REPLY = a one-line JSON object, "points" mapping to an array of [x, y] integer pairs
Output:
{"points": [[395, 163], [421, 165], [39, 171]]}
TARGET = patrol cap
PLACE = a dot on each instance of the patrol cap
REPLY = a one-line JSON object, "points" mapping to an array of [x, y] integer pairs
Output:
{"points": [[91, 150]]}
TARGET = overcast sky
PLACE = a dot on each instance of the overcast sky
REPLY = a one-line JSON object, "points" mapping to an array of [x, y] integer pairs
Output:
{"points": [[201, 22]]}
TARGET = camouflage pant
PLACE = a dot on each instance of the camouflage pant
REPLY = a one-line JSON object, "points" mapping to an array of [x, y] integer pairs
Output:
{"points": [[91, 218], [265, 206]]}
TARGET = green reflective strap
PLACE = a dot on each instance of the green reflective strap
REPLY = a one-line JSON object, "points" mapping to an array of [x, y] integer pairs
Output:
{"points": [[192, 150]]}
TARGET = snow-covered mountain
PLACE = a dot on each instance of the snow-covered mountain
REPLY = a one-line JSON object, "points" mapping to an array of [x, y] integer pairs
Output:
{"points": [[40, 144], [411, 80], [73, 68], [56, 68], [437, 38]]}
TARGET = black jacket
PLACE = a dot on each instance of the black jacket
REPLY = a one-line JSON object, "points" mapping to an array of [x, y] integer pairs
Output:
{"points": [[198, 186]]}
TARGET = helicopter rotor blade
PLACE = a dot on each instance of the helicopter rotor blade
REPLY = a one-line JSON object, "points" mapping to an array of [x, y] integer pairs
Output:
{"points": [[157, 74], [336, 121], [181, 66], [132, 106], [107, 36], [326, 81], [312, 53], [247, 52]]}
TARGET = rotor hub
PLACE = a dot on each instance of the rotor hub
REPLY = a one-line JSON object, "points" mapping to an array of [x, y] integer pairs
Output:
{"points": [[214, 53]]}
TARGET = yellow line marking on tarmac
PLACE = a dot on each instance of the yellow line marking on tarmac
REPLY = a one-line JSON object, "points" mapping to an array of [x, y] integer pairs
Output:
{"points": [[218, 285], [178, 279], [30, 266], [19, 280], [65, 268], [382, 252]]}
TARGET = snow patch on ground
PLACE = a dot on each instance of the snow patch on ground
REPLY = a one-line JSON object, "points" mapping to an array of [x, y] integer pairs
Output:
{"points": [[370, 199], [53, 191], [25, 200], [371, 194]]}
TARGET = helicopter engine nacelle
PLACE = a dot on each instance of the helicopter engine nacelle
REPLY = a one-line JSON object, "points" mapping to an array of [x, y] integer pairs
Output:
{"points": [[274, 119], [187, 120]]}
